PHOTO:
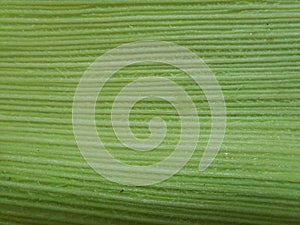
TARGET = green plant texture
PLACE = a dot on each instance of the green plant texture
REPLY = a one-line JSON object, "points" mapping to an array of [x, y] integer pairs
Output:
{"points": [[252, 47]]}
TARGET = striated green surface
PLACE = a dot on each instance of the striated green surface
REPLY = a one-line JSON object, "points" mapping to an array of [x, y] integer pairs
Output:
{"points": [[251, 46]]}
